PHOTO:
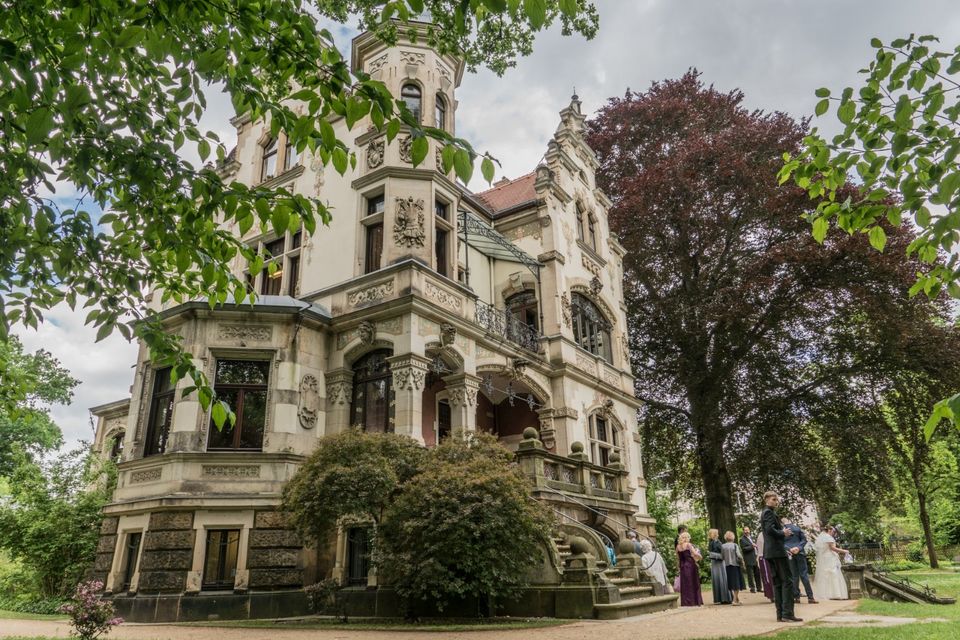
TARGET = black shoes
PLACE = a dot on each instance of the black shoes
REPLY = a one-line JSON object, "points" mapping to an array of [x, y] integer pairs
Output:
{"points": [[791, 619]]}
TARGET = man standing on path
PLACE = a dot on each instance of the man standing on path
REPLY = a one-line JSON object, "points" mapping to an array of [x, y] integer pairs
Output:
{"points": [[776, 556], [749, 549], [796, 543]]}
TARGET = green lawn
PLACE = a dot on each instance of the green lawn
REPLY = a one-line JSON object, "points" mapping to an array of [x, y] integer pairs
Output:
{"points": [[6, 615]]}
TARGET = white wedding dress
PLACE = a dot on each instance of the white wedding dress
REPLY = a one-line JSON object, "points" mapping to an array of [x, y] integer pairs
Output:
{"points": [[828, 582]]}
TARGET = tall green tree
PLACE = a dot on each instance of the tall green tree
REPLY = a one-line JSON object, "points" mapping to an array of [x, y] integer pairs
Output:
{"points": [[98, 98], [29, 384], [732, 305]]}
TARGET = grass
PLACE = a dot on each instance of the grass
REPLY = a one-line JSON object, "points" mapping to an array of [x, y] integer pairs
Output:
{"points": [[367, 624], [17, 615]]}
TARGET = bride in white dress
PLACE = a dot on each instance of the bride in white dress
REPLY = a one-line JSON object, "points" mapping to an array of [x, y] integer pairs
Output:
{"points": [[828, 582]]}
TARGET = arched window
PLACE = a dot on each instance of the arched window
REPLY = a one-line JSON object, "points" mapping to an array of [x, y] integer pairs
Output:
{"points": [[591, 329], [268, 165], [411, 95], [371, 406], [440, 117], [604, 440], [579, 223]]}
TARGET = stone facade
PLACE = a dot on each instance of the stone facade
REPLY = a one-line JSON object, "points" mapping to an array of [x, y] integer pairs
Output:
{"points": [[477, 314]]}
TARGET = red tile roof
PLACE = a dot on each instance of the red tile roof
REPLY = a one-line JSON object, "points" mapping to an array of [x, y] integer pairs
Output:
{"points": [[509, 193]]}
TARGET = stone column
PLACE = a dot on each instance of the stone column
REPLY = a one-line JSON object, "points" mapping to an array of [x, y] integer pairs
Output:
{"points": [[462, 389], [409, 374], [339, 393]]}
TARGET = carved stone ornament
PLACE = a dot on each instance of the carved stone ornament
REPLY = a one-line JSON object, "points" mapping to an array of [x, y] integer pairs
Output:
{"points": [[465, 396], [367, 331], [596, 286], [413, 57], [245, 332], [565, 309], [377, 64], [339, 392], [230, 471], [408, 223], [590, 265], [377, 291], [375, 152], [438, 157], [406, 149], [146, 475], [443, 297], [448, 334], [309, 409], [408, 377]]}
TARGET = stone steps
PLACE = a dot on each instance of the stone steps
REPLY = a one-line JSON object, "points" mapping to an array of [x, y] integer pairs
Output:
{"points": [[636, 591], [635, 607]]}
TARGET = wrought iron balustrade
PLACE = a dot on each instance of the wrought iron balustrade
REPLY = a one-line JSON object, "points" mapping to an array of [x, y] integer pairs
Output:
{"points": [[508, 327]]}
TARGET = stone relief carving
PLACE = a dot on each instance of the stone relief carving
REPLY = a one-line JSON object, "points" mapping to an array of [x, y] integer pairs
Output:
{"points": [[377, 291], [462, 396], [146, 475], [408, 222], [245, 332], [448, 334], [367, 331], [523, 231], [377, 64], [444, 73], [566, 412], [596, 286], [339, 392], [590, 265], [406, 149], [344, 338], [565, 309], [375, 152], [611, 379], [483, 352], [309, 410], [230, 471], [438, 158], [586, 363], [413, 57], [393, 326], [408, 376], [445, 298]]}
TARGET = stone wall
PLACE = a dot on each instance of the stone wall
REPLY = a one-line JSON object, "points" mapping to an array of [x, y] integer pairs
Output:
{"points": [[167, 554], [105, 549], [275, 555]]}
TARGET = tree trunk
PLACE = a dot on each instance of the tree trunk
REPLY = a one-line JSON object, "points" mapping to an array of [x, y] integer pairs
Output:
{"points": [[927, 531], [717, 488]]}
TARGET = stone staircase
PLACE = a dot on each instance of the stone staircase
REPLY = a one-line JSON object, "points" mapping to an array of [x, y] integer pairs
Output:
{"points": [[622, 591]]}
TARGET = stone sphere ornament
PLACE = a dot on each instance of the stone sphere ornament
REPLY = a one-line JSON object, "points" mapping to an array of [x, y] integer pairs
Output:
{"points": [[576, 447], [530, 433]]}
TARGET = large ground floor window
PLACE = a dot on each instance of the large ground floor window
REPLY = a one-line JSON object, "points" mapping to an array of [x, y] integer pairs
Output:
{"points": [[220, 563]]}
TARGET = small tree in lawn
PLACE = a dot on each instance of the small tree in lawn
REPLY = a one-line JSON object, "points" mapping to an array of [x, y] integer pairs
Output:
{"points": [[90, 615], [464, 527]]}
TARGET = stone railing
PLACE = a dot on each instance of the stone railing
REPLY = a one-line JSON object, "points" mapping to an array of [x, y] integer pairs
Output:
{"points": [[506, 326], [573, 474]]}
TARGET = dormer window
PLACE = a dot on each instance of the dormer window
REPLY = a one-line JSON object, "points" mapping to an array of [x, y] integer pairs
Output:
{"points": [[413, 98], [440, 118], [268, 165]]}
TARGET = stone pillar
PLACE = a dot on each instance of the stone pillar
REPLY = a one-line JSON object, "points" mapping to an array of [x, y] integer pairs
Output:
{"points": [[462, 389], [409, 374], [339, 393]]}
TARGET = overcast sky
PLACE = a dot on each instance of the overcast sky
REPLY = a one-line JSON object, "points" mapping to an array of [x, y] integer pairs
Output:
{"points": [[777, 52]]}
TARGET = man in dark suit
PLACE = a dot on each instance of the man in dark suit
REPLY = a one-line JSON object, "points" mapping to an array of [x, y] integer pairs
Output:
{"points": [[749, 549], [796, 542], [776, 556]]}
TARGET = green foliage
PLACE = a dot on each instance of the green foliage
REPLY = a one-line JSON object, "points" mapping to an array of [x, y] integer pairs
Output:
{"points": [[900, 141], [351, 473], [661, 508], [51, 521], [857, 529], [97, 99], [451, 522], [29, 382], [463, 527]]}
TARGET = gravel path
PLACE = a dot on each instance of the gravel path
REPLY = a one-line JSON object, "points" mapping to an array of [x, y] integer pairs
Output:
{"points": [[755, 617]]}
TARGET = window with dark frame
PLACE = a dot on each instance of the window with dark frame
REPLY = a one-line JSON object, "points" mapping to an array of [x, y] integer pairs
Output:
{"points": [[375, 204], [161, 413], [268, 163], [358, 555], [442, 209], [271, 283], [604, 440], [444, 420], [373, 249], [591, 330], [443, 267], [293, 267], [371, 406], [243, 385], [440, 118], [592, 228], [579, 223], [220, 562], [290, 156], [523, 308], [131, 556], [413, 98]]}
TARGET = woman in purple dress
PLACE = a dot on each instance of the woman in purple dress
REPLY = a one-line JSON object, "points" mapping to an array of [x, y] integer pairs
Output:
{"points": [[690, 595], [765, 577]]}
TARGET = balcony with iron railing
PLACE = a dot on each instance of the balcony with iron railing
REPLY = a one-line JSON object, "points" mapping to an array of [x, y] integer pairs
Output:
{"points": [[508, 327]]}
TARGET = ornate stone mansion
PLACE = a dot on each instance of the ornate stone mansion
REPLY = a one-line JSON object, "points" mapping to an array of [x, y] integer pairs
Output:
{"points": [[421, 309]]}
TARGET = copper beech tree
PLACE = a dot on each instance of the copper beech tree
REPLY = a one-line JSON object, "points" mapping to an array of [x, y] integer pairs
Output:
{"points": [[734, 308]]}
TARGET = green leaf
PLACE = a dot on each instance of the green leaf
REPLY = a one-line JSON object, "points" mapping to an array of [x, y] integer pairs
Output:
{"points": [[948, 186], [820, 227], [487, 169], [536, 11], [340, 160], [876, 43], [327, 135], [39, 125], [105, 330], [280, 218], [219, 414], [419, 149], [822, 107], [822, 92], [847, 111], [463, 165], [878, 238], [569, 7], [129, 37]]}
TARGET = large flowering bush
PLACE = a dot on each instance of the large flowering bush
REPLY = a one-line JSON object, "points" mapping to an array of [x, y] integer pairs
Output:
{"points": [[90, 615]]}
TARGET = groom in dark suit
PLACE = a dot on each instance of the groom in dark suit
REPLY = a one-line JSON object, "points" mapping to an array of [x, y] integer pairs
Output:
{"points": [[776, 555]]}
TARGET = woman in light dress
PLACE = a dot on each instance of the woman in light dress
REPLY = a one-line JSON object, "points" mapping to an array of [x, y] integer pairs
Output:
{"points": [[653, 564], [828, 582]]}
